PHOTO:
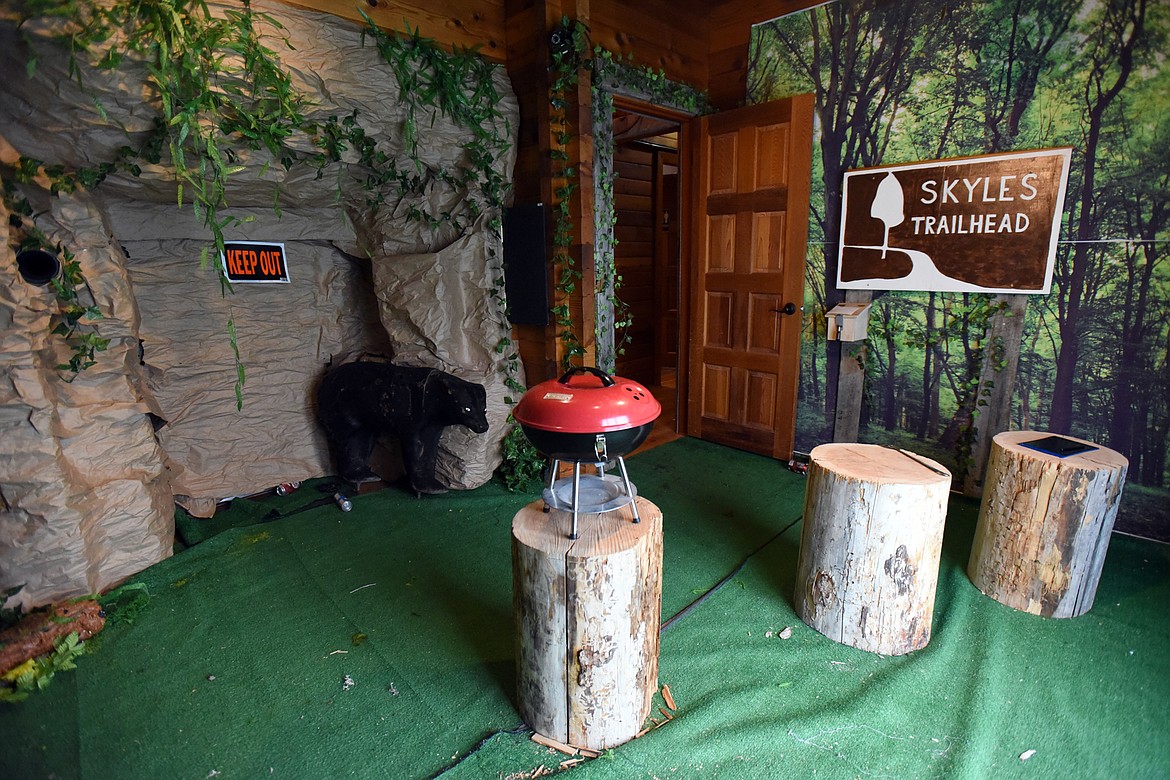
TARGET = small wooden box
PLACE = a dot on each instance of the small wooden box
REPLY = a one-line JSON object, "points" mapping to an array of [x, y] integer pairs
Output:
{"points": [[848, 321]]}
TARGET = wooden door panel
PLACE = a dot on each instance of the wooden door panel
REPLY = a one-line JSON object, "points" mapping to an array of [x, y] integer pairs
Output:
{"points": [[719, 325], [760, 407], [750, 201], [768, 242], [721, 159], [771, 147], [716, 392], [721, 243], [764, 325]]}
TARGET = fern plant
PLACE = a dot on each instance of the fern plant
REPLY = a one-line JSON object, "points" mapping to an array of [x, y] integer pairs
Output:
{"points": [[35, 674]]}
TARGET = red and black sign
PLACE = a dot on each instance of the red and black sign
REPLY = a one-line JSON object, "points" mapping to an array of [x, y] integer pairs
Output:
{"points": [[254, 261]]}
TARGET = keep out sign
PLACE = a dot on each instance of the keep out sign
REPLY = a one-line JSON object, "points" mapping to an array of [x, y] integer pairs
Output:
{"points": [[976, 224], [256, 262]]}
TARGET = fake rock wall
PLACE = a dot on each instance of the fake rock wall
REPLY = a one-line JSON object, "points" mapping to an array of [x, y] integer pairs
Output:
{"points": [[287, 334], [84, 497], [458, 337]]}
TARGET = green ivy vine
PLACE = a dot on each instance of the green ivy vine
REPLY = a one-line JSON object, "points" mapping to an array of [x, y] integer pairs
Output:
{"points": [[567, 62], [75, 319], [223, 89], [610, 74], [620, 73]]}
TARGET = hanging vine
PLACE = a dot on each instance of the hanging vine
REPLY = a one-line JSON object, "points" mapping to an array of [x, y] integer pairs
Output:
{"points": [[569, 50], [222, 88], [610, 74]]}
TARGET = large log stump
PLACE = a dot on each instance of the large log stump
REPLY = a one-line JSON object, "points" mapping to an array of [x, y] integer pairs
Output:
{"points": [[1044, 525], [870, 546], [587, 615]]}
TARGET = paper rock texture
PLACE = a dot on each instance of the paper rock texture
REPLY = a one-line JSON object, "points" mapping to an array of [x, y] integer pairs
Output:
{"points": [[168, 318]]}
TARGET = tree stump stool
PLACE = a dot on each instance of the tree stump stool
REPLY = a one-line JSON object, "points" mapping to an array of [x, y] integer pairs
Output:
{"points": [[870, 546], [1044, 525], [587, 614]]}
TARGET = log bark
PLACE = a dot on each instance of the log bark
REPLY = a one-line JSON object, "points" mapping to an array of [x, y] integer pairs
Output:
{"points": [[587, 615], [1044, 525], [37, 633], [870, 546]]}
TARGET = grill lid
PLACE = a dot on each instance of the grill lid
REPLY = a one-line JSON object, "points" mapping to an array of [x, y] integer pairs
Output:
{"points": [[586, 400]]}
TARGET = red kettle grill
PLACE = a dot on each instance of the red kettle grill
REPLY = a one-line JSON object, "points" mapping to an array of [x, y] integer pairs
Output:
{"points": [[587, 416]]}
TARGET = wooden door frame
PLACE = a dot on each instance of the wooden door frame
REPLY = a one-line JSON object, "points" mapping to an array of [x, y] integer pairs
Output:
{"points": [[686, 158]]}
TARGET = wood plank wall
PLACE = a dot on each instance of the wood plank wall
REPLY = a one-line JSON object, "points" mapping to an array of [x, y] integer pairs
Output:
{"points": [[526, 22], [635, 210], [700, 42]]}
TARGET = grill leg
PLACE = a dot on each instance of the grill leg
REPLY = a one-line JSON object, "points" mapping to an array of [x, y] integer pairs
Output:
{"points": [[576, 495], [553, 466], [629, 489]]}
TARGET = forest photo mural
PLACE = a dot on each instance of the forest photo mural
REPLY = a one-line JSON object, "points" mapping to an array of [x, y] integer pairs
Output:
{"points": [[923, 80]]}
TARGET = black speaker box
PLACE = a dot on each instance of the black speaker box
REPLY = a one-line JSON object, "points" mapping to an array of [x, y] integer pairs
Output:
{"points": [[525, 265]]}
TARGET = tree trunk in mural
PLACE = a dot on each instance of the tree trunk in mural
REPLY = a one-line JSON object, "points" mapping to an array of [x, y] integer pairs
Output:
{"points": [[1111, 63], [887, 318], [931, 366], [1142, 310], [857, 96], [988, 77], [1026, 40], [997, 379]]}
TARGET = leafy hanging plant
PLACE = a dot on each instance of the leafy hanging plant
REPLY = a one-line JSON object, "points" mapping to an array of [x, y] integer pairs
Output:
{"points": [[648, 84], [222, 89], [523, 465], [75, 319], [570, 55], [568, 58], [460, 86]]}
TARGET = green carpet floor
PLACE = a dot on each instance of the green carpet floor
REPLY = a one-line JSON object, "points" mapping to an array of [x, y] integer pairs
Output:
{"points": [[378, 644]]}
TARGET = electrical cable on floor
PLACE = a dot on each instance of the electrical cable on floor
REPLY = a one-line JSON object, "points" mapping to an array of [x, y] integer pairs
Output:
{"points": [[679, 616], [522, 728], [691, 607]]}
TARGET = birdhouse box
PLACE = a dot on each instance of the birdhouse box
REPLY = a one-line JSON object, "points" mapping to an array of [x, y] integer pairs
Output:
{"points": [[848, 321]]}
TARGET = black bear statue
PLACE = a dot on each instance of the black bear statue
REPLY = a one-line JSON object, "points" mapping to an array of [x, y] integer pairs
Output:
{"points": [[358, 403]]}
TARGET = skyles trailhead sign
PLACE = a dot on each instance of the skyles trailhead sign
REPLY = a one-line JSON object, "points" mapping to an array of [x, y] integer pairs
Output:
{"points": [[978, 224]]}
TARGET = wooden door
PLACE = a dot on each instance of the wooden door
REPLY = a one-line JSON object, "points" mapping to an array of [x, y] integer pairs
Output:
{"points": [[750, 228]]}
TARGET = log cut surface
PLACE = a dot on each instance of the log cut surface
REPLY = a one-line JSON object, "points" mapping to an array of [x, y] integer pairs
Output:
{"points": [[870, 546], [1044, 525], [587, 615]]}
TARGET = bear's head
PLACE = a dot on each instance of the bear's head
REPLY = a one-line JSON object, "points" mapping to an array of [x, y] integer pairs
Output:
{"points": [[468, 404]]}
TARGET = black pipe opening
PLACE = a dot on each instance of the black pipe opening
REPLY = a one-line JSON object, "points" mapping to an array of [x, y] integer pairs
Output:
{"points": [[37, 266]]}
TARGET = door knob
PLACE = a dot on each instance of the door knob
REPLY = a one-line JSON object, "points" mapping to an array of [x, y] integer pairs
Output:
{"points": [[789, 308]]}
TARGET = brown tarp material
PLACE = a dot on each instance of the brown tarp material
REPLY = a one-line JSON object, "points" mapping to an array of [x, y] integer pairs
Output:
{"points": [[459, 337], [287, 333], [86, 500]]}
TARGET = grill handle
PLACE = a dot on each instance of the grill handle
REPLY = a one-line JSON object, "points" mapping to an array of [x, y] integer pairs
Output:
{"points": [[606, 379]]}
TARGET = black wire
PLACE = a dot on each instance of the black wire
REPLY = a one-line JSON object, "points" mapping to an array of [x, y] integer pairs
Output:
{"points": [[511, 732], [691, 607]]}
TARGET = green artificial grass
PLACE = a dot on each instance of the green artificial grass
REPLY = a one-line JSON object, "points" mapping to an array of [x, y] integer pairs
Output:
{"points": [[378, 643]]}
